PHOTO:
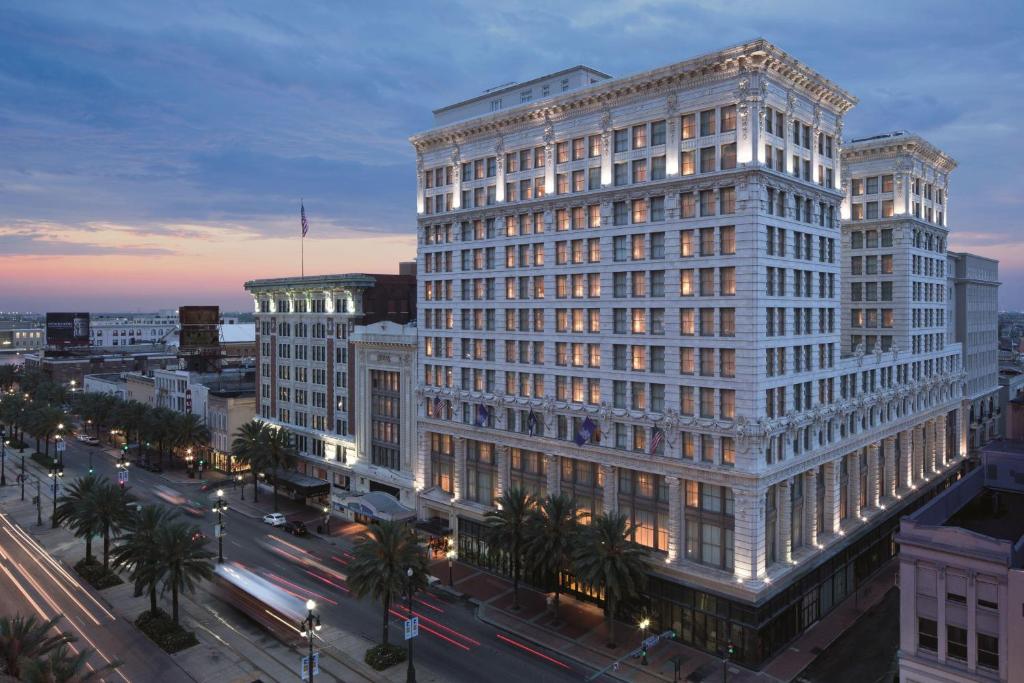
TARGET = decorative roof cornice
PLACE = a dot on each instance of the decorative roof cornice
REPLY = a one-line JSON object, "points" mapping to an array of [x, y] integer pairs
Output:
{"points": [[757, 55], [892, 145], [312, 282]]}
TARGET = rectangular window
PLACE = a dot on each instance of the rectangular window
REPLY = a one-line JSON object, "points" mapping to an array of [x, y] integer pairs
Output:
{"points": [[956, 642], [707, 122], [689, 128]]}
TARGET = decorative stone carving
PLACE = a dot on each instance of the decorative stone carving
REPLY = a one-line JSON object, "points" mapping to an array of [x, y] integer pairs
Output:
{"points": [[549, 129], [790, 103], [671, 105]]}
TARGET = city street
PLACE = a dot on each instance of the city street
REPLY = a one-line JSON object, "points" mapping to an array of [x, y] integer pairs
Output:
{"points": [[452, 643]]}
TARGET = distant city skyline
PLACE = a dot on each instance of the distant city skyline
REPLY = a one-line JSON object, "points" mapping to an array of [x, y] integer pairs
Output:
{"points": [[156, 156]]}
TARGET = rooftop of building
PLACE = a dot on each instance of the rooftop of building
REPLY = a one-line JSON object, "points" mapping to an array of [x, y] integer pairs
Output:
{"points": [[513, 86], [757, 54], [107, 376], [899, 142], [981, 515], [335, 281]]}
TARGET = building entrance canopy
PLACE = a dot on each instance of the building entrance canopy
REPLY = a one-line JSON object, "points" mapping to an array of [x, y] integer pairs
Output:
{"points": [[379, 505], [301, 485]]}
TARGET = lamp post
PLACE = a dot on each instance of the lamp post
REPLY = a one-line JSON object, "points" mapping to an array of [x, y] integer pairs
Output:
{"points": [[188, 462], [327, 520], [22, 476], [451, 561], [219, 508], [122, 466], [410, 673], [241, 482], [56, 472], [645, 623], [310, 624], [3, 457]]}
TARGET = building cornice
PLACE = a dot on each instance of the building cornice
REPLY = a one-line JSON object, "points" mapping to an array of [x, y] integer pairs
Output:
{"points": [[896, 145], [756, 56]]}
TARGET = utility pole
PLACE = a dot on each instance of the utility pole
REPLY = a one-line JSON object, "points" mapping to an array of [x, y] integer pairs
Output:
{"points": [[22, 477]]}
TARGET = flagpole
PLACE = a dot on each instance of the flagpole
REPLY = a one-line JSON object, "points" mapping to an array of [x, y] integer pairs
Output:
{"points": [[302, 239]]}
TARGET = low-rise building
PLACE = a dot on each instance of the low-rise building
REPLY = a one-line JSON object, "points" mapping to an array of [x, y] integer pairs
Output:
{"points": [[229, 405], [140, 387], [17, 336], [63, 368], [962, 577], [110, 383]]}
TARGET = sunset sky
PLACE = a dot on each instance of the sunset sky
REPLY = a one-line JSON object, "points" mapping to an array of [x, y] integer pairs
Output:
{"points": [[155, 154]]}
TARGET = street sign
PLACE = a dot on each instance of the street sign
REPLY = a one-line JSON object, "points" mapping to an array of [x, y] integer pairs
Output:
{"points": [[305, 666], [651, 640], [122, 476], [412, 628], [61, 446], [218, 530]]}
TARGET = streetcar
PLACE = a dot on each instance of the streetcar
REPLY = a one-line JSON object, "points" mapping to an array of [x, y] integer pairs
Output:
{"points": [[278, 612]]}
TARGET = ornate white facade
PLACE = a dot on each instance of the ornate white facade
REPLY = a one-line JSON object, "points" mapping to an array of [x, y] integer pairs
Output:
{"points": [[659, 259]]}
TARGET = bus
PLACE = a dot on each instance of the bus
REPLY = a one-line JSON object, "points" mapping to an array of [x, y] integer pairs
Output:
{"points": [[278, 612]]}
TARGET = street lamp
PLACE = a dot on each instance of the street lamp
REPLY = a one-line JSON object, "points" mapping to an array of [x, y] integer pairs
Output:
{"points": [[122, 466], [310, 625], [220, 506], [410, 673], [56, 472], [3, 457], [327, 520], [241, 482], [645, 623], [451, 560], [188, 461]]}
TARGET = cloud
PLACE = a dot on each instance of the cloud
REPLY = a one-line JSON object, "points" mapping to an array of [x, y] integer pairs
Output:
{"points": [[148, 130]]}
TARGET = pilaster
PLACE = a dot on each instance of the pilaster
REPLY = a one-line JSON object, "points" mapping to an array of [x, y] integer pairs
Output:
{"points": [[459, 468], [831, 497], [889, 466], [501, 461], [873, 483], [907, 458], [784, 498], [748, 535], [811, 507], [610, 495], [853, 484], [552, 474], [918, 441], [675, 520]]}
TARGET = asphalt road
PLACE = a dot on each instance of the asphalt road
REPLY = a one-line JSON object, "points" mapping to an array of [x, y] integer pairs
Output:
{"points": [[452, 641]]}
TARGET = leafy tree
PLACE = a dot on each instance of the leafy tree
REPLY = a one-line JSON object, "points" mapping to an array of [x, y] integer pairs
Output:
{"points": [[380, 564], [8, 376], [247, 446], [551, 534], [184, 559], [188, 431], [139, 551], [77, 510], [25, 639], [606, 557], [507, 529], [279, 452]]}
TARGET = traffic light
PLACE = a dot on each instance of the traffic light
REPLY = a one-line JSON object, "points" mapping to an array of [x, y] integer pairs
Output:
{"points": [[90, 469], [731, 649], [124, 448]]}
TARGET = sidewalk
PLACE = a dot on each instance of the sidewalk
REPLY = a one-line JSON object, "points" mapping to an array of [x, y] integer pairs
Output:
{"points": [[582, 633], [235, 652]]}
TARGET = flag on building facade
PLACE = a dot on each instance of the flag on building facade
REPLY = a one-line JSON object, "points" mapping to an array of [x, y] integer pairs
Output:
{"points": [[586, 430], [302, 214], [531, 424], [656, 439], [482, 413]]}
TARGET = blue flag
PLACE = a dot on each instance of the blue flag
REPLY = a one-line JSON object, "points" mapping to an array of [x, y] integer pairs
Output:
{"points": [[586, 430], [482, 413]]}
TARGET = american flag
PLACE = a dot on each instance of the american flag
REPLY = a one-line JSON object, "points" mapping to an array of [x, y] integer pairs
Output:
{"points": [[656, 439], [305, 223], [531, 423], [482, 414], [586, 431], [437, 406]]}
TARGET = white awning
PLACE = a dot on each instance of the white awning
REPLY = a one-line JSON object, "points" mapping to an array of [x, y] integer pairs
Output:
{"points": [[379, 505]]}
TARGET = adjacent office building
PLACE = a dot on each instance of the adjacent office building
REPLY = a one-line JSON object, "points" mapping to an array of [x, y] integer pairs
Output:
{"points": [[974, 322], [639, 292], [962, 577], [310, 379]]}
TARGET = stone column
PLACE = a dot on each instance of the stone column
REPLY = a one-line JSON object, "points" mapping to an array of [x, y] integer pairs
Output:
{"points": [[606, 154], [552, 474], [456, 162], [422, 462], [748, 535], [928, 428], [459, 468], [499, 180], [907, 458], [784, 498], [672, 137], [675, 520], [918, 441], [831, 497], [853, 484], [940, 590], [610, 494], [941, 438], [873, 483], [501, 462], [811, 507], [961, 432], [889, 466]]}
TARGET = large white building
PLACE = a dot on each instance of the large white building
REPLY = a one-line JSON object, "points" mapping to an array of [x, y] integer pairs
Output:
{"points": [[130, 330], [974, 322], [962, 577], [633, 291]]}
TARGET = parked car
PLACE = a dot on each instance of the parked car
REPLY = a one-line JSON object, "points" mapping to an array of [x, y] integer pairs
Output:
{"points": [[296, 528], [89, 440], [274, 519]]}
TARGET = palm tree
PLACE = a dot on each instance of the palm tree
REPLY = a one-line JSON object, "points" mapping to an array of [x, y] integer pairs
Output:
{"points": [[380, 564], [247, 446], [131, 416], [77, 509], [157, 427], [507, 529], [280, 452], [605, 557], [551, 533], [62, 665], [112, 513], [184, 561], [188, 430], [45, 423], [27, 638], [8, 376], [139, 552]]}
